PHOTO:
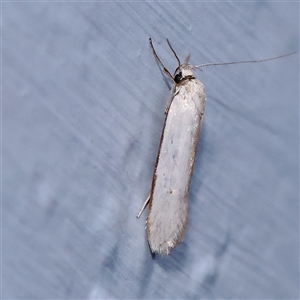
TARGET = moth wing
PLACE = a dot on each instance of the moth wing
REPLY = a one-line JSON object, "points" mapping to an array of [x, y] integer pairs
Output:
{"points": [[171, 181]]}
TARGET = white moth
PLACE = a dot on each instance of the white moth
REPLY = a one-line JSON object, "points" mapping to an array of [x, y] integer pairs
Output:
{"points": [[168, 199]]}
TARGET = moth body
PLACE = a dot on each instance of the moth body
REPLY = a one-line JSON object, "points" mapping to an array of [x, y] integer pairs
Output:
{"points": [[168, 198], [168, 203]]}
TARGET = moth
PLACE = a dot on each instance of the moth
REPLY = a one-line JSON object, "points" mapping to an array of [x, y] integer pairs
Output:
{"points": [[168, 198]]}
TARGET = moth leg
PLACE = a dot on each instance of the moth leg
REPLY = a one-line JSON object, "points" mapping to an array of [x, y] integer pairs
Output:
{"points": [[144, 206], [168, 104], [173, 94]]}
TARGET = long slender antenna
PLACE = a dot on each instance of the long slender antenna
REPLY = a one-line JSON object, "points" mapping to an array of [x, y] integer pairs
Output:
{"points": [[158, 59], [242, 61], [174, 53]]}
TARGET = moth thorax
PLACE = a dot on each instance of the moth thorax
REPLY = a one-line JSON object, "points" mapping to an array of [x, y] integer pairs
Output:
{"points": [[183, 72]]}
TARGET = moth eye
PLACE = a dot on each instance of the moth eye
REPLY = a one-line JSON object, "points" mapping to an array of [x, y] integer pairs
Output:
{"points": [[178, 77]]}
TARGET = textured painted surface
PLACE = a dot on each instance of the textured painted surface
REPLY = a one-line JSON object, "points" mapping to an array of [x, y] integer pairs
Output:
{"points": [[82, 111]]}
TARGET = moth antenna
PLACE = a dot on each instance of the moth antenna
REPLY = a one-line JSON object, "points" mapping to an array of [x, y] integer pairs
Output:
{"points": [[159, 61], [174, 53], [242, 61]]}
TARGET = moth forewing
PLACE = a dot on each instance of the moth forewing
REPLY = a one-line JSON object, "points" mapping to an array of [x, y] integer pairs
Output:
{"points": [[174, 166]]}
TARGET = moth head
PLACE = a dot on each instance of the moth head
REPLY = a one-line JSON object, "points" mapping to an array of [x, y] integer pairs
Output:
{"points": [[183, 72]]}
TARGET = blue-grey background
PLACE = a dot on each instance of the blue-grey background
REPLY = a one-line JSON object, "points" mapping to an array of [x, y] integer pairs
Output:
{"points": [[82, 113]]}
